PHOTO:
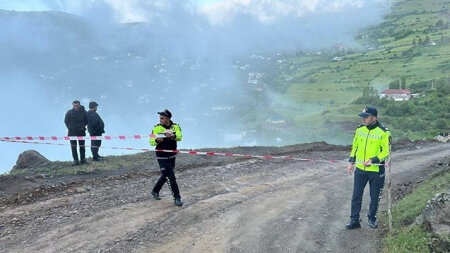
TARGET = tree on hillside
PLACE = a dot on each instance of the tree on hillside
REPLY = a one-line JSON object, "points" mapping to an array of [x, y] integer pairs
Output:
{"points": [[442, 39], [420, 41], [427, 40], [369, 96], [421, 86], [414, 42], [403, 83], [391, 85], [443, 86], [394, 84]]}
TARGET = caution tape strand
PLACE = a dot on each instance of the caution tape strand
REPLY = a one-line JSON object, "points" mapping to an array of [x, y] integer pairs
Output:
{"points": [[77, 138], [189, 152]]}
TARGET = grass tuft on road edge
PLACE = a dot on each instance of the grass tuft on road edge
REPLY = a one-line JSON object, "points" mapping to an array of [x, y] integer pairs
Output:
{"points": [[417, 238], [408, 239]]}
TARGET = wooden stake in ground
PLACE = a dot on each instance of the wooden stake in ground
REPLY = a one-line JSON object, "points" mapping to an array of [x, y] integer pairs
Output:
{"points": [[388, 176]]}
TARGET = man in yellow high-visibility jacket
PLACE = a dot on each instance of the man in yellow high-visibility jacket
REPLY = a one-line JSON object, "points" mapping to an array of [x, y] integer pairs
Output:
{"points": [[165, 136], [369, 151]]}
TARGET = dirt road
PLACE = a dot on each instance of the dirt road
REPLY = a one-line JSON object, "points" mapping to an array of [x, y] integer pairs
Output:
{"points": [[248, 206]]}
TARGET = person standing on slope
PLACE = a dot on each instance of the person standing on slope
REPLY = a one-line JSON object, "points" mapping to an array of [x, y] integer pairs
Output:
{"points": [[76, 121], [96, 127]]}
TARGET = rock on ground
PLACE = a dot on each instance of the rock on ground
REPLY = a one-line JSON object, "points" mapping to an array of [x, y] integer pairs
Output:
{"points": [[30, 159]]}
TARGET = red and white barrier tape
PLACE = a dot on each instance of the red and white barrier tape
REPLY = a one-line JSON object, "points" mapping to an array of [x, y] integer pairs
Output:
{"points": [[79, 138], [191, 152]]}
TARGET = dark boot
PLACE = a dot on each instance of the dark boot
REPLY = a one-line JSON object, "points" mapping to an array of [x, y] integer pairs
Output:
{"points": [[155, 195], [98, 159], [178, 202], [353, 224], [373, 223], [75, 163]]}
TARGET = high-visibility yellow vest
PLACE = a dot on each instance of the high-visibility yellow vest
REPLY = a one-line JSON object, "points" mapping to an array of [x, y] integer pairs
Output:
{"points": [[159, 129], [370, 142]]}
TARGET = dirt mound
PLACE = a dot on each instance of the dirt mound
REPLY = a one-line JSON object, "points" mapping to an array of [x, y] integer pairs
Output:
{"points": [[13, 184], [30, 159], [272, 150], [408, 186], [407, 144]]}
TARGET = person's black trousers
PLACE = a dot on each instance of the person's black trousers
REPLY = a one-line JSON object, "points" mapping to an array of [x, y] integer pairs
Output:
{"points": [[95, 145], [376, 184], [73, 144], [167, 167]]}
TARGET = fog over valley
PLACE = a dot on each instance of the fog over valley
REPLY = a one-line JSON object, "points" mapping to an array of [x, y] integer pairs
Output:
{"points": [[203, 60]]}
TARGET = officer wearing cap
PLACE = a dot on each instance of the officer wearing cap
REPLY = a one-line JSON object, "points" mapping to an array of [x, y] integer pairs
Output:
{"points": [[96, 127], [369, 151], [165, 136]]}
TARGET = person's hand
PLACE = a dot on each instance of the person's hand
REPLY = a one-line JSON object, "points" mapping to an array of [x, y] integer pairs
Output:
{"points": [[350, 168], [168, 133], [368, 163], [158, 140]]}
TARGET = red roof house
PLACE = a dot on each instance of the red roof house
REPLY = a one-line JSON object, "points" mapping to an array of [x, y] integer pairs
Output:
{"points": [[396, 94]]}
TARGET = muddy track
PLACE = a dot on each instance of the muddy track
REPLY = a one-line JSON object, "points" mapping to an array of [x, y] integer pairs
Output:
{"points": [[245, 206]]}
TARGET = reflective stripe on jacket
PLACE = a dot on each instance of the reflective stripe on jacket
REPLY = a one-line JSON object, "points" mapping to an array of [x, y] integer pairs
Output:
{"points": [[167, 143], [370, 142]]}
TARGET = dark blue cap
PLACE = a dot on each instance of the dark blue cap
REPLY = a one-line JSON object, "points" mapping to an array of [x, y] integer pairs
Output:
{"points": [[166, 113], [368, 110]]}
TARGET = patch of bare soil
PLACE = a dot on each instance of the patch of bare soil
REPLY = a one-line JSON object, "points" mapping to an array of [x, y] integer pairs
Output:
{"points": [[231, 205]]}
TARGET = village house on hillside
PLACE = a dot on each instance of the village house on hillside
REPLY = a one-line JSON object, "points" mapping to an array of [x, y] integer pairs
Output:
{"points": [[275, 120], [396, 94], [337, 58]]}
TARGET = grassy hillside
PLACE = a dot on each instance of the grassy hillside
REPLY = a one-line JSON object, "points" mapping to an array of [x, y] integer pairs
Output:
{"points": [[320, 89], [408, 236]]}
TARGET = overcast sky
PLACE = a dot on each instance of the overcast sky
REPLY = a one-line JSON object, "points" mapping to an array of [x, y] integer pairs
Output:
{"points": [[217, 11]]}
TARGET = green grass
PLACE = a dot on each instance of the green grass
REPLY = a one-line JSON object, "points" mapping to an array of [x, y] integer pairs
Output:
{"points": [[111, 163], [406, 238], [406, 210], [322, 85]]}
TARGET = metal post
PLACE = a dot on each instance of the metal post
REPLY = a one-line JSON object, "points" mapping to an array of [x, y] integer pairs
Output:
{"points": [[388, 175]]}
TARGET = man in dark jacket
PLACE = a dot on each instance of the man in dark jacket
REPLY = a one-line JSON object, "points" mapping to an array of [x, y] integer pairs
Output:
{"points": [[76, 120], [96, 127]]}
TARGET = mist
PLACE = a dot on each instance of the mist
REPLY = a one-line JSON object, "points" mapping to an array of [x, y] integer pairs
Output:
{"points": [[137, 59]]}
